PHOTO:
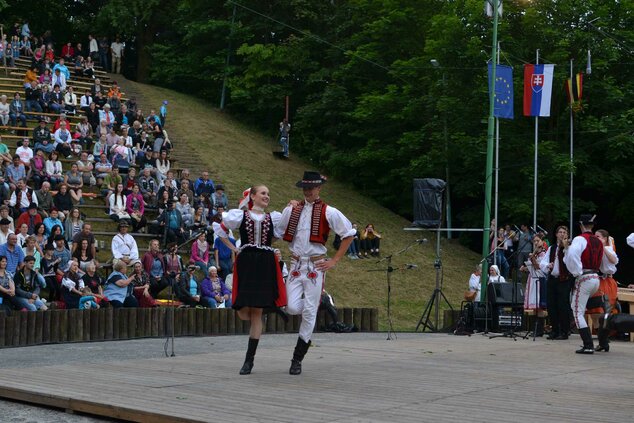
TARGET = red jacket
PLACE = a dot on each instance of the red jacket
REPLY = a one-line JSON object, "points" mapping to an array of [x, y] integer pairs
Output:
{"points": [[24, 218]]}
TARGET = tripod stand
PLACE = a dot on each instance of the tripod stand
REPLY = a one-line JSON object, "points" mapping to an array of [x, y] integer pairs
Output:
{"points": [[388, 272], [434, 301]]}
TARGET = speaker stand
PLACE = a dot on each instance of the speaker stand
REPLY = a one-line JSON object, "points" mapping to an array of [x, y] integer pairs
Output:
{"points": [[434, 301]]}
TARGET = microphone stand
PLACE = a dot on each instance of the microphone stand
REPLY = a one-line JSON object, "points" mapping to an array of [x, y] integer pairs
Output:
{"points": [[388, 272]]}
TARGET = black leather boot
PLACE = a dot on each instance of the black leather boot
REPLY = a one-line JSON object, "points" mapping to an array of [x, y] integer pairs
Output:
{"points": [[248, 361], [298, 355], [588, 346], [604, 342]]}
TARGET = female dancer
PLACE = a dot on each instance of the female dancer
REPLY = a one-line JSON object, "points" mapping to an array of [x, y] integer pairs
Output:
{"points": [[257, 279], [534, 297], [607, 285]]}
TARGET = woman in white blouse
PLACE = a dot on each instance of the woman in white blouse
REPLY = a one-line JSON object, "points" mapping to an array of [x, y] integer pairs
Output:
{"points": [[257, 280], [54, 169]]}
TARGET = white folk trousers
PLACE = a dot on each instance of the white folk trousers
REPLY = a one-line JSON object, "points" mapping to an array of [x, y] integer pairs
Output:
{"points": [[585, 287], [303, 292]]}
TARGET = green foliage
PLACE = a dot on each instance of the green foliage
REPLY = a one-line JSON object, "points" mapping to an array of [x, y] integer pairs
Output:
{"points": [[367, 105]]}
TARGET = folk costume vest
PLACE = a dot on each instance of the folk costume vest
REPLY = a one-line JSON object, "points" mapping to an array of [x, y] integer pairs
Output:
{"points": [[593, 254], [563, 270], [248, 233], [319, 227]]}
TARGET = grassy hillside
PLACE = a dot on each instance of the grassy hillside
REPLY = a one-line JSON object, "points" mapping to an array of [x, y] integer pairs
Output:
{"points": [[240, 157]]}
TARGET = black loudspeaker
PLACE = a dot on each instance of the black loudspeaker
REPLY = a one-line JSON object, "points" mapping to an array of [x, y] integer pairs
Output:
{"points": [[428, 195], [501, 294]]}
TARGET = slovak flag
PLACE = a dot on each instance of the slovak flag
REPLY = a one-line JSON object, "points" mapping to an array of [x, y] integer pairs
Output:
{"points": [[538, 87]]}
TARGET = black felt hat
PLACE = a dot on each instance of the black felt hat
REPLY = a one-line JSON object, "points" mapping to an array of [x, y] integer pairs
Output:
{"points": [[587, 219], [311, 179]]}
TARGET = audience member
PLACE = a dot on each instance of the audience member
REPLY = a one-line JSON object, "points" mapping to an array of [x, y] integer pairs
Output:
{"points": [[124, 247], [214, 291]]}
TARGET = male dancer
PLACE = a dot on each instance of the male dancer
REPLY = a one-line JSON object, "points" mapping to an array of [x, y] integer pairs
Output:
{"points": [[583, 260], [306, 226]]}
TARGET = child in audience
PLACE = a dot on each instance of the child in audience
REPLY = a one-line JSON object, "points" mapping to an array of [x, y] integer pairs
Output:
{"points": [[88, 300]]}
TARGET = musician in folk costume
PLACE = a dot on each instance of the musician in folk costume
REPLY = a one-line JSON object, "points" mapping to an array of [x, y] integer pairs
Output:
{"points": [[306, 227], [257, 279], [558, 286], [583, 258], [534, 298]]}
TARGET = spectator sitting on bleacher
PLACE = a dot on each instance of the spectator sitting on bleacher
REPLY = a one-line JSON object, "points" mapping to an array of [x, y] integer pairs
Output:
{"points": [[224, 256], [63, 200], [42, 137], [214, 291], [30, 218], [22, 197], [54, 237], [129, 180], [85, 166], [132, 105], [96, 87], [117, 203], [51, 221], [72, 224], [187, 288], [49, 265], [200, 253], [94, 282], [88, 300], [45, 79], [171, 222], [32, 97], [70, 101], [5, 214], [4, 230], [16, 111], [13, 253], [89, 68], [84, 134], [23, 234], [204, 185], [68, 52], [115, 105], [44, 199], [107, 116], [219, 198], [72, 285], [78, 67], [102, 166], [163, 200], [112, 138], [58, 80], [184, 190], [25, 153], [199, 220], [38, 169], [135, 206], [28, 284], [5, 154], [31, 249], [124, 117], [141, 285], [162, 166], [63, 138], [4, 111], [7, 288], [30, 76], [84, 256], [85, 100], [154, 266], [62, 68], [45, 98], [100, 101], [92, 113], [123, 246], [149, 187], [85, 235], [75, 182], [54, 169], [186, 211], [110, 181], [56, 99]]}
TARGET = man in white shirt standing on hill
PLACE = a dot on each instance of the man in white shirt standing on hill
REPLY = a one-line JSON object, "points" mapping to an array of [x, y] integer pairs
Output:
{"points": [[117, 48]]}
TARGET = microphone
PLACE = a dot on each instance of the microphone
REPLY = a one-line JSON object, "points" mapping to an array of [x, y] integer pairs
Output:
{"points": [[421, 241], [411, 266]]}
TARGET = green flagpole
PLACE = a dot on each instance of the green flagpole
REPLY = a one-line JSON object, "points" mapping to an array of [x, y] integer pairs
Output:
{"points": [[489, 164]]}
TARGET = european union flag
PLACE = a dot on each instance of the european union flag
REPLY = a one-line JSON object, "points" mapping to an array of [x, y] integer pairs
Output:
{"points": [[503, 91]]}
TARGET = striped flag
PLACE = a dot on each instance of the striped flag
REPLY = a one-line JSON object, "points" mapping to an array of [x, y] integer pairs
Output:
{"points": [[574, 89], [538, 87]]}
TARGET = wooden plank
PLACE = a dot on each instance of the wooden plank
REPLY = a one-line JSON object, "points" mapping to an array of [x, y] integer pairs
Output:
{"points": [[116, 325], [101, 323], [63, 326], [297, 321], [269, 324], [93, 324], [365, 319], [132, 323], [200, 321], [3, 318], [56, 316], [215, 321], [356, 317], [231, 321], [320, 323], [141, 314], [222, 321], [147, 326], [280, 326], [158, 315], [162, 320], [178, 321], [347, 315], [87, 334], [374, 319], [23, 327], [9, 322], [191, 321], [109, 323], [30, 329], [46, 326], [207, 313], [72, 316]]}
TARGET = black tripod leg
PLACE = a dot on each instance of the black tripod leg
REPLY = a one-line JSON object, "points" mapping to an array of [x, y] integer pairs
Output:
{"points": [[424, 318]]}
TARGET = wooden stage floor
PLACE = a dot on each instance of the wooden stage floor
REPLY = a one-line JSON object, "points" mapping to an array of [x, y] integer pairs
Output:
{"points": [[346, 378]]}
